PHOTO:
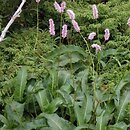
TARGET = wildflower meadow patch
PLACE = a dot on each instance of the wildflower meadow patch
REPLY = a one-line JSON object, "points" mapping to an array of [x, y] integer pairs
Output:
{"points": [[65, 65]]}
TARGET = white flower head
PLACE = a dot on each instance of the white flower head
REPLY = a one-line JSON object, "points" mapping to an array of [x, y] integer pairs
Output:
{"points": [[91, 36], [97, 47]]}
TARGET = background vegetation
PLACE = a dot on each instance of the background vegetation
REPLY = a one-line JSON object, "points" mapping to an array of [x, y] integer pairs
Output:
{"points": [[45, 86]]}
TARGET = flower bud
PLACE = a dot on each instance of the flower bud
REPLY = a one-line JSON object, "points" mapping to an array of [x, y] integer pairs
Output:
{"points": [[76, 26], [51, 27], [71, 14], [95, 11]]}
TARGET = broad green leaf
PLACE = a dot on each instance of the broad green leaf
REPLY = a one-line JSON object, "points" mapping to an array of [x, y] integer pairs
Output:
{"points": [[67, 98], [87, 108], [119, 126], [85, 126], [64, 77], [118, 62], [103, 63], [54, 79], [53, 106], [124, 100], [67, 49], [30, 86], [14, 111], [43, 99], [69, 58], [46, 128], [65, 81], [78, 113], [20, 84], [125, 80], [56, 122], [3, 120], [83, 111], [102, 120], [108, 52], [83, 77], [34, 124]]}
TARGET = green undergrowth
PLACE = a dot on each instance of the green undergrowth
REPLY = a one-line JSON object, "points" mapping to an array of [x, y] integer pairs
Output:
{"points": [[45, 85]]}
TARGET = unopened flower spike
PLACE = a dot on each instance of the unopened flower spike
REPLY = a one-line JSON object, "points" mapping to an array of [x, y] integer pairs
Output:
{"points": [[91, 36], [107, 34], [64, 31], [37, 1], [71, 14], [97, 47], [95, 11], [128, 22], [51, 27], [63, 6], [57, 7], [76, 26]]}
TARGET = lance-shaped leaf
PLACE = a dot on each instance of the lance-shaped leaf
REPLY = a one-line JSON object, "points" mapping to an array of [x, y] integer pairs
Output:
{"points": [[14, 111], [83, 78], [56, 122], [53, 106], [3, 120], [119, 87], [33, 124], [20, 84], [103, 120], [83, 110], [125, 99], [78, 113], [67, 98], [43, 99], [119, 126], [87, 108], [65, 50], [85, 126]]}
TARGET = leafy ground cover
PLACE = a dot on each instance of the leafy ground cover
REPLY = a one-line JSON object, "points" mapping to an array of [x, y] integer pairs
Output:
{"points": [[54, 83]]}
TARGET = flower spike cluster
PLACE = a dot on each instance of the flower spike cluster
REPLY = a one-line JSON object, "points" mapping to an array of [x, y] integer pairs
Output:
{"points": [[71, 15], [60, 8]]}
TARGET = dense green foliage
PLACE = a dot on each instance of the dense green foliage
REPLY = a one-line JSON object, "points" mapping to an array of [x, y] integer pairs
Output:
{"points": [[45, 85]]}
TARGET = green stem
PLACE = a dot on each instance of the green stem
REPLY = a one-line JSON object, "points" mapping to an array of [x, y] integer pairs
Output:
{"points": [[97, 31], [37, 29], [60, 28], [94, 85]]}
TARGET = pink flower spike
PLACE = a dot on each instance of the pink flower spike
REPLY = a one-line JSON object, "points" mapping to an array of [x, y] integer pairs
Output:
{"points": [[76, 26], [57, 7], [97, 47], [64, 31], [51, 27], [37, 1], [95, 11], [71, 14], [128, 22], [107, 34], [63, 6], [91, 36]]}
